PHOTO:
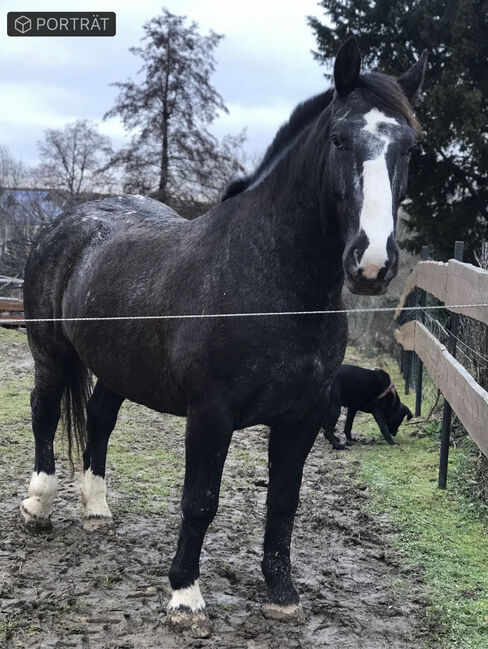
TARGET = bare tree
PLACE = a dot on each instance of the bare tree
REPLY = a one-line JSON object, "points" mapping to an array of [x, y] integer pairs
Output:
{"points": [[172, 152], [74, 160], [23, 211], [12, 172]]}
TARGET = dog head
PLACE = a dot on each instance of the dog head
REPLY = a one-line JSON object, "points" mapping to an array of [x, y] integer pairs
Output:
{"points": [[397, 417]]}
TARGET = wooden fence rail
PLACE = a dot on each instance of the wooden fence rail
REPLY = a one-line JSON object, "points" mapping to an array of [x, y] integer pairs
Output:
{"points": [[11, 308], [453, 283], [468, 399]]}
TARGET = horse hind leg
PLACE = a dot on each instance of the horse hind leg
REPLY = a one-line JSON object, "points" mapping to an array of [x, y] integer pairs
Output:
{"points": [[102, 410], [50, 383]]}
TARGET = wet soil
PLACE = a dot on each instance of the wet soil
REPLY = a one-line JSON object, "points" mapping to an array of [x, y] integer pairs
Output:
{"points": [[66, 588]]}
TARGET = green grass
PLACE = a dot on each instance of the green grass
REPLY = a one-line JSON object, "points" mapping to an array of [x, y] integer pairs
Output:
{"points": [[15, 426], [441, 534], [145, 468]]}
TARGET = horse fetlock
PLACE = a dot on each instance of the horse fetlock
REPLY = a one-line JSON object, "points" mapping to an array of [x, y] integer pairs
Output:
{"points": [[94, 498], [283, 613], [35, 511]]}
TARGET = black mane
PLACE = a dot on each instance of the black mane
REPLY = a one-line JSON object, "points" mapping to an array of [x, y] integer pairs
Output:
{"points": [[380, 90], [301, 117]]}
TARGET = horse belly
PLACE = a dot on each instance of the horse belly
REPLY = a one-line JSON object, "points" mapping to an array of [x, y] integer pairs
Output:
{"points": [[129, 360]]}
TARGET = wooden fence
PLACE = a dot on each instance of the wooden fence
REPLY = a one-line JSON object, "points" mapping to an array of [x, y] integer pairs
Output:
{"points": [[10, 308], [453, 283]]}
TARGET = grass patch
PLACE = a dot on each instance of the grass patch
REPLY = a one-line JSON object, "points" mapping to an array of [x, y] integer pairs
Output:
{"points": [[441, 534], [143, 468]]}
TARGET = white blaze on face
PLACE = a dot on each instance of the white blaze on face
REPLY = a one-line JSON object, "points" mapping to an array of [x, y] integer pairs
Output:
{"points": [[376, 219]]}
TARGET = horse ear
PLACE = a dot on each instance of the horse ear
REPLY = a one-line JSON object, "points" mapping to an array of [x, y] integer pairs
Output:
{"points": [[346, 67], [411, 81]]}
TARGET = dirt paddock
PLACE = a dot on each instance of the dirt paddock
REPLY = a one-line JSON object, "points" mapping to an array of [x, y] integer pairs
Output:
{"points": [[66, 588]]}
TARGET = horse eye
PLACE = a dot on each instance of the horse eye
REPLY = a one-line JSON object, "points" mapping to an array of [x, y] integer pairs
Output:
{"points": [[337, 142]]}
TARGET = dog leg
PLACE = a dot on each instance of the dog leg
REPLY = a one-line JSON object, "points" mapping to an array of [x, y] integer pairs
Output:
{"points": [[330, 424], [351, 413], [383, 426]]}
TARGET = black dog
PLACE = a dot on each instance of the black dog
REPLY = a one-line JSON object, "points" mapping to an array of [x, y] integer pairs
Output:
{"points": [[369, 391]]}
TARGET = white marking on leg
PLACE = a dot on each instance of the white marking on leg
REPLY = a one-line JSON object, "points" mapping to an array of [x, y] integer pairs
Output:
{"points": [[189, 597], [42, 491], [94, 496], [376, 219]]}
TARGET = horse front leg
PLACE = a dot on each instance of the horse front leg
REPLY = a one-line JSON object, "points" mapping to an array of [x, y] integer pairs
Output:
{"points": [[208, 435], [288, 450]]}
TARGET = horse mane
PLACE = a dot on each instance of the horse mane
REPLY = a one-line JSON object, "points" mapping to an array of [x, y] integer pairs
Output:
{"points": [[381, 90], [301, 117]]}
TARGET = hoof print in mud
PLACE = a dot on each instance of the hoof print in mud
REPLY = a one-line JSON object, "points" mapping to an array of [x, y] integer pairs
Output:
{"points": [[98, 524], [32, 523], [290, 613], [198, 624]]}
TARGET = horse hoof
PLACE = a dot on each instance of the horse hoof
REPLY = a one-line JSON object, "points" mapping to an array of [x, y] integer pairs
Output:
{"points": [[289, 613], [198, 624], [32, 523], [98, 524]]}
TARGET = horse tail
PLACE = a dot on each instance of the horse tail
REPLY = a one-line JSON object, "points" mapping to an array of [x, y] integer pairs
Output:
{"points": [[73, 408]]}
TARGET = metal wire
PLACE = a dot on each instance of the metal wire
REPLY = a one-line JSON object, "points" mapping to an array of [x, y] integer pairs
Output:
{"points": [[191, 316]]}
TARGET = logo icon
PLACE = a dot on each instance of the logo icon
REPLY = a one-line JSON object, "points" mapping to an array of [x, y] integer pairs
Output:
{"points": [[23, 24]]}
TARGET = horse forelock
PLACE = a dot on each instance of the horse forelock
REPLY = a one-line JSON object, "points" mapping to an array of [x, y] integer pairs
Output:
{"points": [[385, 93]]}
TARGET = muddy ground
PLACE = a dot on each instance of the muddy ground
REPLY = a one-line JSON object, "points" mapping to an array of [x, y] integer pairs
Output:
{"points": [[66, 588]]}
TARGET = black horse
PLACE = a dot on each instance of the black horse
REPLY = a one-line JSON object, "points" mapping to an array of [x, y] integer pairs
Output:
{"points": [[321, 206]]}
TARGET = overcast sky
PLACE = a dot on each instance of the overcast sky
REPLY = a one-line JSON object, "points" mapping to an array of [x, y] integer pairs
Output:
{"points": [[265, 67]]}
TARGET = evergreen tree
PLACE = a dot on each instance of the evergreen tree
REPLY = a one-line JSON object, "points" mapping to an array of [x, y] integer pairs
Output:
{"points": [[172, 154], [448, 181]]}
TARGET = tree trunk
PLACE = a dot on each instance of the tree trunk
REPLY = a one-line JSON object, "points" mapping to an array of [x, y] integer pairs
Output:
{"points": [[163, 179]]}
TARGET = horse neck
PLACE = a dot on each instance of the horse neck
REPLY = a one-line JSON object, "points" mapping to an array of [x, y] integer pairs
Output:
{"points": [[301, 232]]}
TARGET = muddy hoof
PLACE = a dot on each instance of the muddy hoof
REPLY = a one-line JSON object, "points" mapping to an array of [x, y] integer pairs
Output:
{"points": [[341, 447], [32, 523], [98, 523], [198, 624], [290, 613]]}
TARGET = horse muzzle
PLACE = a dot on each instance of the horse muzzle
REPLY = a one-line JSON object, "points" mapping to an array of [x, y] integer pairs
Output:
{"points": [[370, 274]]}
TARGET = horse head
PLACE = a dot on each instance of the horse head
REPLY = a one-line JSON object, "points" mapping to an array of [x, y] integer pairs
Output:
{"points": [[370, 134]]}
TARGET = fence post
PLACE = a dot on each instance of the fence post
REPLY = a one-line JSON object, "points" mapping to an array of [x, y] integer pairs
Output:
{"points": [[447, 412], [407, 367], [424, 255]]}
